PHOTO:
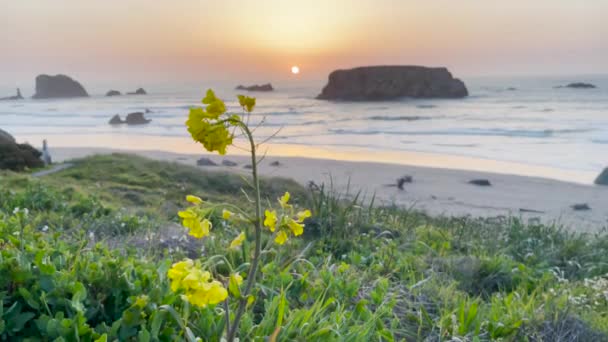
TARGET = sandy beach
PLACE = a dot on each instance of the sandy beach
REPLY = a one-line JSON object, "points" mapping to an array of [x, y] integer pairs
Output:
{"points": [[436, 191]]}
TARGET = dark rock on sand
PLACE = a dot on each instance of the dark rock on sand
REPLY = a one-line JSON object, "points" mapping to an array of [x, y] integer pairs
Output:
{"points": [[15, 97], [136, 118], [248, 166], [480, 182], [581, 85], [17, 157], [116, 120], [113, 93], [275, 163], [229, 163], [59, 86], [602, 179], [139, 91], [256, 87], [511, 89], [205, 162], [405, 179], [580, 207], [377, 83]]}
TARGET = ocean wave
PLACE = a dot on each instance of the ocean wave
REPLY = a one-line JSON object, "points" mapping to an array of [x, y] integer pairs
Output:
{"points": [[398, 118], [471, 132], [426, 106], [599, 141]]}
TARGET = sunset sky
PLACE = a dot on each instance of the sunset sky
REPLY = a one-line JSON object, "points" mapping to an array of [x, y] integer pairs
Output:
{"points": [[262, 39]]}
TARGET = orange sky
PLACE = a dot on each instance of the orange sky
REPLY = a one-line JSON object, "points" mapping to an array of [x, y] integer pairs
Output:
{"points": [[262, 39]]}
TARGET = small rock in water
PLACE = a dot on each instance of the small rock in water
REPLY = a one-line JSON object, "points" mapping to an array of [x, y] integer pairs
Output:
{"points": [[275, 163], [139, 91], [480, 182], [136, 118], [116, 120], [580, 207], [248, 166], [227, 162], [205, 162], [113, 93], [405, 179]]}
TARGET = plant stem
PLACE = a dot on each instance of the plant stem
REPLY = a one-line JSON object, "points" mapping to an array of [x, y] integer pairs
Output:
{"points": [[258, 237]]}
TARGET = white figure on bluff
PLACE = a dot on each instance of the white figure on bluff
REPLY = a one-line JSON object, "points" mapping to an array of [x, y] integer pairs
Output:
{"points": [[46, 156]]}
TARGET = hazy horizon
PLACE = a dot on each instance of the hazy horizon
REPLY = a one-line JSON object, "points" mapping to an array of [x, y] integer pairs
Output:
{"points": [[260, 40]]}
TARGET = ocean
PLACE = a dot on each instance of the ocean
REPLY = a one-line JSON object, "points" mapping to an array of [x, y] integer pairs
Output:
{"points": [[521, 125]]}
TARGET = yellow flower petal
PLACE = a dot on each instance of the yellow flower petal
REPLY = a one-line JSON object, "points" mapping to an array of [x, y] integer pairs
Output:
{"points": [[247, 102], [283, 201], [271, 219], [226, 214], [296, 228], [200, 229], [303, 215], [194, 199], [281, 237], [238, 241], [237, 277]]}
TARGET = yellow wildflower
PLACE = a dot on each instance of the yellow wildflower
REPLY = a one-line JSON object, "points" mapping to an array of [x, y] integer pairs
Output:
{"points": [[247, 102], [198, 286], [200, 229], [271, 219], [281, 237], [284, 199], [226, 214], [296, 228], [194, 199], [238, 241], [212, 294], [303, 215], [237, 278], [209, 97], [178, 272]]}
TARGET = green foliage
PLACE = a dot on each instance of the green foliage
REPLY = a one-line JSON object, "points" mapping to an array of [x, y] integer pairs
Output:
{"points": [[362, 274]]}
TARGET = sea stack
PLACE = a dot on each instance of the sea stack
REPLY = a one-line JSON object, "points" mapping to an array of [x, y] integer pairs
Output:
{"points": [[256, 87], [59, 86], [380, 83], [139, 91], [18, 96]]}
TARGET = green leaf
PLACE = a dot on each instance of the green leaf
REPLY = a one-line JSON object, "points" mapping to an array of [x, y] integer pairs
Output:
{"points": [[29, 299]]}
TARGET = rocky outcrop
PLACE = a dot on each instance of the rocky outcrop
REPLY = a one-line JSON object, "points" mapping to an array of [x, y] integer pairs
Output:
{"points": [[59, 86], [377, 83], [256, 87], [139, 91], [16, 97], [113, 93], [602, 179], [116, 120], [17, 157], [580, 85], [136, 118]]}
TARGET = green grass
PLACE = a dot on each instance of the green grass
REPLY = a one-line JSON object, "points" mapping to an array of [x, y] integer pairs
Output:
{"points": [[74, 267]]}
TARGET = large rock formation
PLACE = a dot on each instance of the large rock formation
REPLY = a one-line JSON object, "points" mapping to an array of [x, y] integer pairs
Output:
{"points": [[602, 179], [16, 97], [376, 83], [17, 157], [59, 86], [256, 87]]}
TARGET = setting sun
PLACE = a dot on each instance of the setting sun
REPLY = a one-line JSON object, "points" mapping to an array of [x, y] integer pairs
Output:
{"points": [[295, 69]]}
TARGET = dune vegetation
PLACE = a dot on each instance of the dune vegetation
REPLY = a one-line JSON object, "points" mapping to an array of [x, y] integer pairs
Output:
{"points": [[113, 249]]}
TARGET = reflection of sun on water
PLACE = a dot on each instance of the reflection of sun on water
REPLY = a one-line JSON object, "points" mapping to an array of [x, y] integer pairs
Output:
{"points": [[295, 70]]}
